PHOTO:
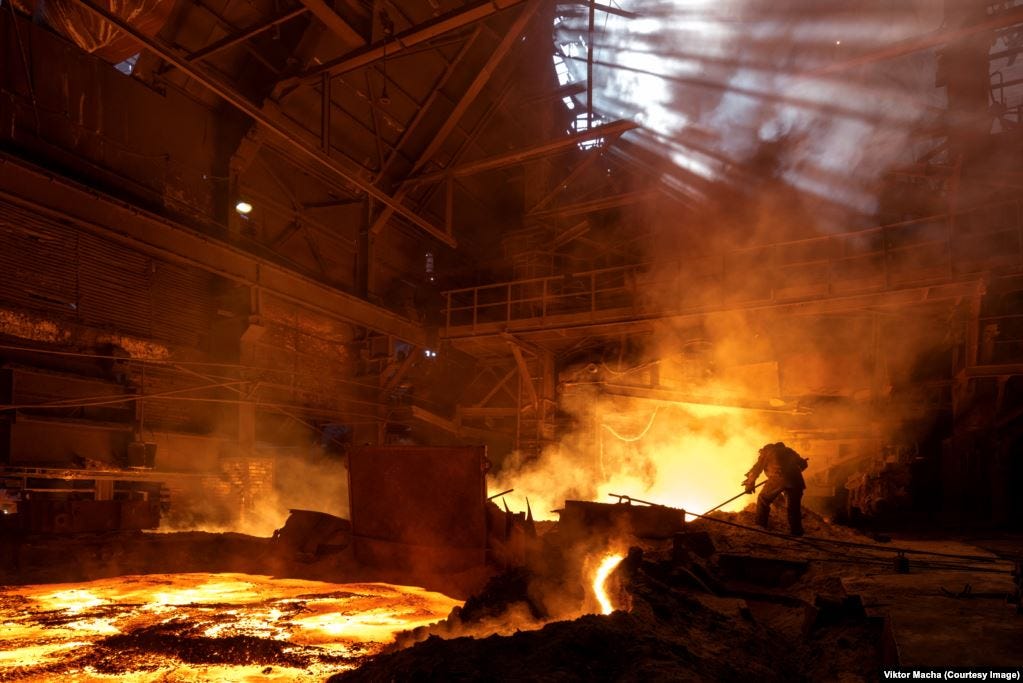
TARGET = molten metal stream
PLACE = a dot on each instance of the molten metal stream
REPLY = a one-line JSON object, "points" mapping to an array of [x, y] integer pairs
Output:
{"points": [[607, 565], [202, 627]]}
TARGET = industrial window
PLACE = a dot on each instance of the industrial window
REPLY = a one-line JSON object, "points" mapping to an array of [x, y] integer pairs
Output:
{"points": [[128, 66], [570, 57], [561, 70], [581, 123]]}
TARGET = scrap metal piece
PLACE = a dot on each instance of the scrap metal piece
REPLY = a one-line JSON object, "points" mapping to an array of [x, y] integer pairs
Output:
{"points": [[581, 518], [308, 535]]}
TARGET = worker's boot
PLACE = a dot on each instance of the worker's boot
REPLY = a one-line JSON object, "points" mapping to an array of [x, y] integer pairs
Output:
{"points": [[763, 514], [795, 511]]}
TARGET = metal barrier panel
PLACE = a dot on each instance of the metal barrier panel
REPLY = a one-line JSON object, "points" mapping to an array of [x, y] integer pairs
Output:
{"points": [[419, 508]]}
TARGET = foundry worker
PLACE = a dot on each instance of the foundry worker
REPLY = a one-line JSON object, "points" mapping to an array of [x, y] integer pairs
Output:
{"points": [[784, 469]]}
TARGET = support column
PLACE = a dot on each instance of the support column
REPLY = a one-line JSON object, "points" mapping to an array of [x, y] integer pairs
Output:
{"points": [[364, 253], [548, 396]]}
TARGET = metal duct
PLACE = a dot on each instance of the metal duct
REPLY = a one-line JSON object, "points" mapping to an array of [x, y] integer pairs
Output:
{"points": [[98, 36]]}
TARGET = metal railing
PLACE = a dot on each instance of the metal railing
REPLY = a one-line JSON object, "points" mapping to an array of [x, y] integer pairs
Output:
{"points": [[919, 252]]}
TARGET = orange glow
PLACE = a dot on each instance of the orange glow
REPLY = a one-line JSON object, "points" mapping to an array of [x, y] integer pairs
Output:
{"points": [[689, 456], [607, 565], [200, 627]]}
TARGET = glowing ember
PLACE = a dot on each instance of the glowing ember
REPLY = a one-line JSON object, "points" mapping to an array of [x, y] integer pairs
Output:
{"points": [[607, 565], [200, 627]]}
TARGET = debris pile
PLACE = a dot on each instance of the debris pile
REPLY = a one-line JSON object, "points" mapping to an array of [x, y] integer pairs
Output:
{"points": [[716, 602]]}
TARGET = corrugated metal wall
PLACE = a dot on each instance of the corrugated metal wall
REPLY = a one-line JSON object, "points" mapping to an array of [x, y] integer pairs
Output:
{"points": [[73, 276], [37, 264]]}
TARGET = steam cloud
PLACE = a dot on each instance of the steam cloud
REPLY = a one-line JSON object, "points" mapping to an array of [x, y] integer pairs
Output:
{"points": [[760, 131], [301, 482], [303, 479]]}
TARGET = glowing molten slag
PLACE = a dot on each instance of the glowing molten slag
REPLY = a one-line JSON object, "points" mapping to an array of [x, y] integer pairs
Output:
{"points": [[203, 627], [607, 565]]}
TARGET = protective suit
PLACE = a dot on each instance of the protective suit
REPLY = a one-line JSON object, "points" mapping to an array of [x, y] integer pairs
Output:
{"points": [[784, 469]]}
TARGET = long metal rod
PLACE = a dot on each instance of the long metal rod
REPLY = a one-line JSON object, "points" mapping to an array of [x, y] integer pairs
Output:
{"points": [[276, 127], [738, 495], [818, 539]]}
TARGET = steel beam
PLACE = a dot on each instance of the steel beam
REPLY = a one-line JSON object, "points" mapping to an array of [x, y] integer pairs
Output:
{"points": [[334, 23], [678, 398], [282, 129], [411, 37], [573, 233], [468, 97], [608, 9], [524, 373], [109, 218], [608, 130], [497, 387], [435, 92], [232, 40], [231, 29], [562, 185], [589, 64], [486, 411], [478, 83], [406, 364], [601, 204], [447, 425]]}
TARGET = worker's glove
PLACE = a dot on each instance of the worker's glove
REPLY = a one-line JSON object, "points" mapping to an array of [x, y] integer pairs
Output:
{"points": [[750, 485]]}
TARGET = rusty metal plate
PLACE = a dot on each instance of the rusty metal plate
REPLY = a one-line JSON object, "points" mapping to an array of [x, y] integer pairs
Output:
{"points": [[419, 507]]}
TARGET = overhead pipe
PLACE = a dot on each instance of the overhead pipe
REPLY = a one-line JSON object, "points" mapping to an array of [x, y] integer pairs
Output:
{"points": [[278, 128]]}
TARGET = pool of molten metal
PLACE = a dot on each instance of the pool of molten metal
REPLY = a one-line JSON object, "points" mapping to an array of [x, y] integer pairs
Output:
{"points": [[202, 627]]}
